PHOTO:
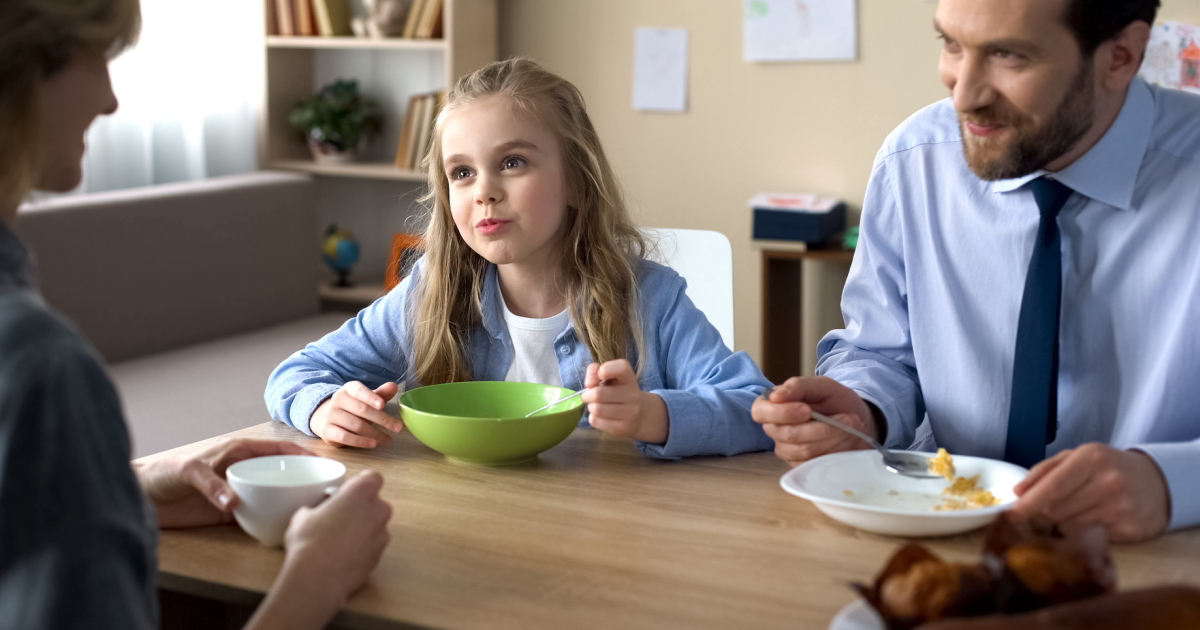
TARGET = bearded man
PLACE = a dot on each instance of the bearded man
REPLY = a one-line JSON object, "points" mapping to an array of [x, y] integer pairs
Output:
{"points": [[1027, 280]]}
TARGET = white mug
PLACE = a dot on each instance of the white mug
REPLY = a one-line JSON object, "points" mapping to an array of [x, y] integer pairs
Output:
{"points": [[271, 489]]}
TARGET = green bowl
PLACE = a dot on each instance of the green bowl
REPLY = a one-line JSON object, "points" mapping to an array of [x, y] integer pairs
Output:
{"points": [[482, 422]]}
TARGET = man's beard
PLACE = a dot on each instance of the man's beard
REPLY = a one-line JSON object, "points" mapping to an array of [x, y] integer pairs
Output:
{"points": [[1029, 148]]}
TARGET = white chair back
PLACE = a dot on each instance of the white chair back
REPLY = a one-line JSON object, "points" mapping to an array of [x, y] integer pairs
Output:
{"points": [[705, 259]]}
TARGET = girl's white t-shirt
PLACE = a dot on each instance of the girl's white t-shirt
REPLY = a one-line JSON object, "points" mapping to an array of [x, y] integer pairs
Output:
{"points": [[534, 360]]}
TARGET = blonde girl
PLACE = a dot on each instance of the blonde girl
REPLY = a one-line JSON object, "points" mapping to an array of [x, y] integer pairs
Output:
{"points": [[533, 272]]}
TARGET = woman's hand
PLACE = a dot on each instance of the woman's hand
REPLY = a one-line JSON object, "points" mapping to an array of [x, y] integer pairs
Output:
{"points": [[349, 417], [331, 551], [191, 492], [620, 407]]}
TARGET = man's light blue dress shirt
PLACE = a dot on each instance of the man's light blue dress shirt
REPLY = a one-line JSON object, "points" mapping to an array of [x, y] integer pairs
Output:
{"points": [[932, 301], [707, 388]]}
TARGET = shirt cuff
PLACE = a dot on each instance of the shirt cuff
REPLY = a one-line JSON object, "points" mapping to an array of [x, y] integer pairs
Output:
{"points": [[1180, 464], [894, 431], [306, 402], [686, 432]]}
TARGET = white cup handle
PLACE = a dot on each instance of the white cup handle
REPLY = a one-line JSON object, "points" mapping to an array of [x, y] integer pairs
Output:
{"points": [[330, 490]]}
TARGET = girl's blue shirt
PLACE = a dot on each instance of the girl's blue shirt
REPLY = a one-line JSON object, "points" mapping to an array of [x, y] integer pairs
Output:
{"points": [[708, 389]]}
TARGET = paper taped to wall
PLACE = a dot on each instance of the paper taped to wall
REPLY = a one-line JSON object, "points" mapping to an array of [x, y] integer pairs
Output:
{"points": [[1173, 56], [799, 30], [660, 69]]}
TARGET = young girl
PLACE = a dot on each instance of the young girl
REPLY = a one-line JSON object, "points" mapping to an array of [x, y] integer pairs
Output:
{"points": [[533, 272]]}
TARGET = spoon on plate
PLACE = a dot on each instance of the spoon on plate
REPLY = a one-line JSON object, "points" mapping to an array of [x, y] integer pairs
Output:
{"points": [[905, 463], [566, 398]]}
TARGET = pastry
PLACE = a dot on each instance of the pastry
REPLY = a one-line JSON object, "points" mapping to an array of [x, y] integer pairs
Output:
{"points": [[1161, 608], [1023, 568]]}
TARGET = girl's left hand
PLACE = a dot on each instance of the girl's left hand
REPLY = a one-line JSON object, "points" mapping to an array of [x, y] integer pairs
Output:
{"points": [[192, 491], [620, 407]]}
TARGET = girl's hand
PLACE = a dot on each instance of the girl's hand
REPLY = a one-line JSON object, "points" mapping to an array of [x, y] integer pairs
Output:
{"points": [[190, 492], [620, 407], [349, 416]]}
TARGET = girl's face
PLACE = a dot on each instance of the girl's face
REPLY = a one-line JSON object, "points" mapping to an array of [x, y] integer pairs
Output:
{"points": [[71, 98], [507, 186]]}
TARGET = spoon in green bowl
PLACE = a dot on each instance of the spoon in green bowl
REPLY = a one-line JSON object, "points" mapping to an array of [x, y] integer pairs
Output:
{"points": [[566, 398]]}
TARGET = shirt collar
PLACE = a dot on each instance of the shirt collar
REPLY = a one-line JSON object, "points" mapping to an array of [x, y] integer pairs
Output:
{"points": [[1108, 172], [493, 317], [16, 262]]}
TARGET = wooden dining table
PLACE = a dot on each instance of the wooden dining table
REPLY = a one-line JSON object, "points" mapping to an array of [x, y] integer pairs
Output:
{"points": [[591, 535]]}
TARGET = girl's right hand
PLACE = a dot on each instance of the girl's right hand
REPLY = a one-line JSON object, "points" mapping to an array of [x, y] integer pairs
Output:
{"points": [[348, 418]]}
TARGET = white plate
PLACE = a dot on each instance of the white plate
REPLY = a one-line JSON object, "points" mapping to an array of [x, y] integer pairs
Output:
{"points": [[886, 503], [857, 615]]}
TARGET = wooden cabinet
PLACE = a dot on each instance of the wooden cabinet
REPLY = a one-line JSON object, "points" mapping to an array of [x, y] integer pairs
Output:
{"points": [[783, 346]]}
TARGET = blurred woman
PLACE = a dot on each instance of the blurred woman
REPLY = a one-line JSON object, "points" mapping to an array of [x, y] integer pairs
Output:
{"points": [[77, 522]]}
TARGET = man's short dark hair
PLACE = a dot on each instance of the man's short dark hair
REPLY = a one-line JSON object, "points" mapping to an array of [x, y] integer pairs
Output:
{"points": [[1096, 21]]}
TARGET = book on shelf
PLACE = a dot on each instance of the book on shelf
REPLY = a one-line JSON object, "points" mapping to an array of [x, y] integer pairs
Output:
{"points": [[304, 18], [418, 113], [284, 24], [414, 16], [430, 14], [333, 17], [406, 133], [417, 129], [414, 154], [425, 128]]}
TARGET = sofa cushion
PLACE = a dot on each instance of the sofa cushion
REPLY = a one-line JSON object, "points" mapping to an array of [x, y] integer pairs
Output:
{"points": [[204, 390], [156, 268]]}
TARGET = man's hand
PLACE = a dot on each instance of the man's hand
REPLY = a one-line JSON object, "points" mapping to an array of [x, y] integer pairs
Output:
{"points": [[1096, 484], [620, 407], [350, 416], [190, 492], [786, 413]]}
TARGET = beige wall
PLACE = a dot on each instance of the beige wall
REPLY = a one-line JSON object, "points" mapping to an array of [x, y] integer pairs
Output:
{"points": [[749, 127]]}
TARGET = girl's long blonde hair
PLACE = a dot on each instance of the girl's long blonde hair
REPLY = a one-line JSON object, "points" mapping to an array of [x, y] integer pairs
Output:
{"points": [[601, 246], [37, 38]]}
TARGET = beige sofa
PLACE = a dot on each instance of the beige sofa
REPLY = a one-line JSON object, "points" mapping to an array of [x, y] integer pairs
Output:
{"points": [[192, 292]]}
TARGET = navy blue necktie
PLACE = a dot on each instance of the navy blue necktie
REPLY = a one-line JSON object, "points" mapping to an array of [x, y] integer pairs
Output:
{"points": [[1033, 414]]}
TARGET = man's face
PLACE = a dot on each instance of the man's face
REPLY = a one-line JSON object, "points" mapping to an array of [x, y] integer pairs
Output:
{"points": [[1024, 93]]}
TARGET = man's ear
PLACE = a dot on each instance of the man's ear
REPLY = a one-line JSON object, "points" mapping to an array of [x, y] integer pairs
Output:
{"points": [[1120, 57]]}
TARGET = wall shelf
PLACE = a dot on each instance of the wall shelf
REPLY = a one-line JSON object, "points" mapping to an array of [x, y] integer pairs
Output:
{"points": [[297, 66], [350, 298], [372, 198], [355, 43], [365, 170]]}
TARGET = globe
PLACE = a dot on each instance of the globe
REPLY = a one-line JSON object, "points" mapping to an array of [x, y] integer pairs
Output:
{"points": [[340, 251]]}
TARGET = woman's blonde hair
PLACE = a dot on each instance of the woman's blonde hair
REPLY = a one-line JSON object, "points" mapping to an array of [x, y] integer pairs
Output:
{"points": [[37, 38], [601, 246]]}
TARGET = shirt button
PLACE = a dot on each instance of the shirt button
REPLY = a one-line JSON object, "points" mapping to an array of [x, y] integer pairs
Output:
{"points": [[564, 349]]}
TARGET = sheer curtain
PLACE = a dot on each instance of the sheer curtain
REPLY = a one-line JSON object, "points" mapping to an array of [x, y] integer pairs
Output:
{"points": [[189, 94]]}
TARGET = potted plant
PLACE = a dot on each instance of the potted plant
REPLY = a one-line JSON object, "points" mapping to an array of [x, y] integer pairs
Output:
{"points": [[337, 121]]}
